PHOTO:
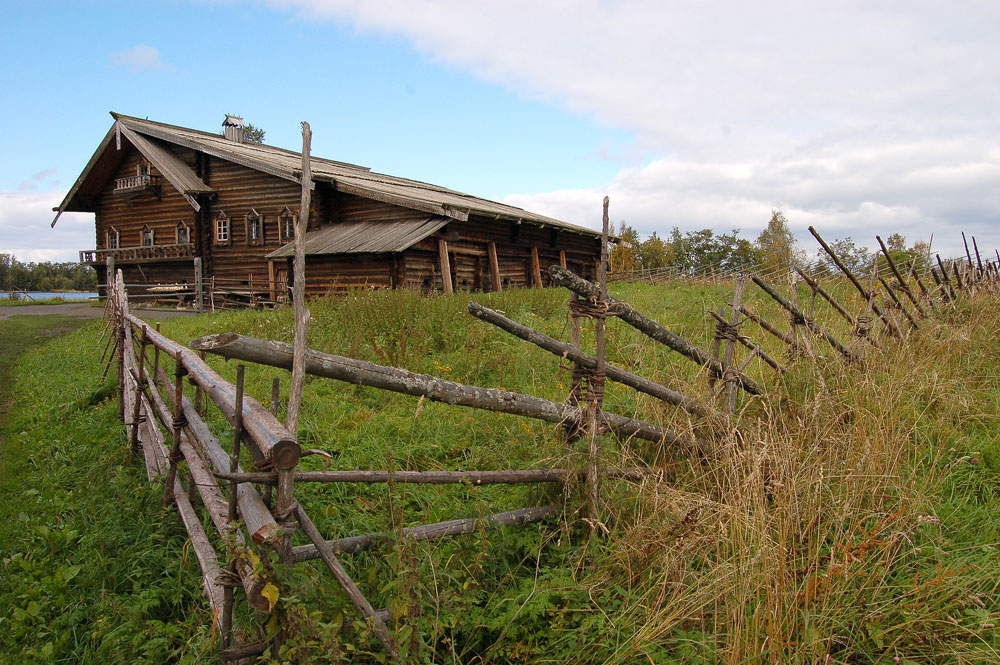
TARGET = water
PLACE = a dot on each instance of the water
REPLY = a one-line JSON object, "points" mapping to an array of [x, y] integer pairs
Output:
{"points": [[43, 295]]}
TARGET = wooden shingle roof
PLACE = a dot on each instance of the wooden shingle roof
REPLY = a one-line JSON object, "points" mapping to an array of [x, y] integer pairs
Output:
{"points": [[348, 178], [364, 237]]}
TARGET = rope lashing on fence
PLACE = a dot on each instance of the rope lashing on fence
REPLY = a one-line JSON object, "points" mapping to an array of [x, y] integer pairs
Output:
{"points": [[863, 328], [588, 383], [725, 331]]}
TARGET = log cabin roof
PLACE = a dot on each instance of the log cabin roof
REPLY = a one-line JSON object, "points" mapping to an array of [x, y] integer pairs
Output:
{"points": [[364, 237], [344, 177]]}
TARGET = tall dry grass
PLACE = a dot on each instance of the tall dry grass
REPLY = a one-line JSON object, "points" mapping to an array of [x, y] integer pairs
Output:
{"points": [[813, 536]]}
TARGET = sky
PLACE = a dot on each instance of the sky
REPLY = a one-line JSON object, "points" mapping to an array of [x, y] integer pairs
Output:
{"points": [[859, 118]]}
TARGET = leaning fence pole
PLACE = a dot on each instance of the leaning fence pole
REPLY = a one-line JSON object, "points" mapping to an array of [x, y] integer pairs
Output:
{"points": [[299, 288], [890, 322], [562, 277], [899, 277], [809, 323]]}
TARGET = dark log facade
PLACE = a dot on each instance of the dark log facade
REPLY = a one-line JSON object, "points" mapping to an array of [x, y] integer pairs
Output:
{"points": [[164, 196]]}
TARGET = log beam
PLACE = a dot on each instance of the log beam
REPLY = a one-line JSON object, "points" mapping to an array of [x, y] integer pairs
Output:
{"points": [[279, 354]]}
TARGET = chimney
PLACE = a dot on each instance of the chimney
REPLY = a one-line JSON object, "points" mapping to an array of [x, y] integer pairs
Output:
{"points": [[233, 128]]}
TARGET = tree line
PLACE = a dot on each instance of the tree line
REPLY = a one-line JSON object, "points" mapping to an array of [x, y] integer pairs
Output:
{"points": [[45, 276], [775, 249]]}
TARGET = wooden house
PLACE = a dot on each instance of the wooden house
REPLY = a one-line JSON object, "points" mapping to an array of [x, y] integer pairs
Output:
{"points": [[171, 201]]}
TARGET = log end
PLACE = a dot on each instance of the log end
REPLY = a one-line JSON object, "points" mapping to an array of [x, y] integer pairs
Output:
{"points": [[212, 342], [285, 454]]}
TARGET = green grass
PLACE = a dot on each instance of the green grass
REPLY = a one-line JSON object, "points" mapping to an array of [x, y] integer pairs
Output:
{"points": [[852, 522], [10, 302]]}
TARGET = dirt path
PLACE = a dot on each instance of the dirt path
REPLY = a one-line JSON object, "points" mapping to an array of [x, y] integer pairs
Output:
{"points": [[82, 310]]}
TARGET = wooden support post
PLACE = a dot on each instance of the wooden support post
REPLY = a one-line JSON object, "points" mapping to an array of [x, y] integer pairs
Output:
{"points": [[946, 286], [596, 383], [979, 260], [536, 268], [177, 426], [967, 254], [716, 346], [958, 276], [562, 258], [491, 248], [446, 284], [727, 362], [234, 465], [199, 286], [199, 401], [299, 288], [140, 388], [899, 278], [794, 350], [647, 326]]}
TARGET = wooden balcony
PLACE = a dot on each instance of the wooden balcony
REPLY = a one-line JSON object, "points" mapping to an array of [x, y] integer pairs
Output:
{"points": [[143, 254], [133, 185]]}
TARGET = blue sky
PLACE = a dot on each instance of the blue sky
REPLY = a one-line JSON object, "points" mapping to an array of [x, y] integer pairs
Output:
{"points": [[863, 118]]}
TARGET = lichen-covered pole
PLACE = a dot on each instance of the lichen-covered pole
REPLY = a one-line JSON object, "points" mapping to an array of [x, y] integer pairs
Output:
{"points": [[299, 288], [234, 465], [596, 382]]}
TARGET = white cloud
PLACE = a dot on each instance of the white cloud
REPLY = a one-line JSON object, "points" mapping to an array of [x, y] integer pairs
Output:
{"points": [[25, 231], [848, 115], [140, 57]]}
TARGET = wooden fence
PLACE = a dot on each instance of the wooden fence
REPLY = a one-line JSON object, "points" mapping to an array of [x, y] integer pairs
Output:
{"points": [[255, 509]]}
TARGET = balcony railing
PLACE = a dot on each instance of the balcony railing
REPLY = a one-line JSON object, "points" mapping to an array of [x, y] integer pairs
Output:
{"points": [[142, 254], [136, 183]]}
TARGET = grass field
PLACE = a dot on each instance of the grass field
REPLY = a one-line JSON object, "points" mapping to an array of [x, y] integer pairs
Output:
{"points": [[853, 520]]}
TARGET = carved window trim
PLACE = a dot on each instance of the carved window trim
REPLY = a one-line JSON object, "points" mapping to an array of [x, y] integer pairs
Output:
{"points": [[221, 232], [111, 238], [182, 233], [143, 168], [147, 237], [254, 228], [286, 225]]}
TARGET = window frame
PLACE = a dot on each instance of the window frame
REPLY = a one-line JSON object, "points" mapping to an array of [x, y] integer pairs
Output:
{"points": [[286, 222], [110, 233], [147, 229], [254, 223], [222, 224], [186, 228]]}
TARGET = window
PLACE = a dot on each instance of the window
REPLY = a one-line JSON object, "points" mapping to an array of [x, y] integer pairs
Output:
{"points": [[147, 236], [142, 168], [183, 234], [255, 228], [111, 238], [222, 229], [286, 224]]}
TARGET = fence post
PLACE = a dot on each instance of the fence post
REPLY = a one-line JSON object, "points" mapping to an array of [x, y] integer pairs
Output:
{"points": [[199, 286]]}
